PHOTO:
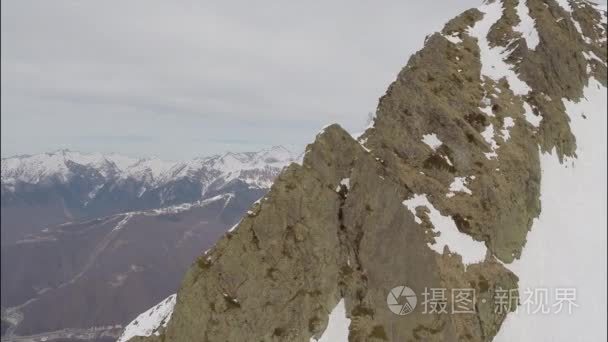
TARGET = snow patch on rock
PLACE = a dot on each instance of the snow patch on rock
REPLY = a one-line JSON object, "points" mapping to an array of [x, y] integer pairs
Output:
{"points": [[488, 135], [453, 38], [337, 327], [432, 141], [527, 25], [470, 250], [506, 127], [532, 118], [493, 63], [459, 185]]}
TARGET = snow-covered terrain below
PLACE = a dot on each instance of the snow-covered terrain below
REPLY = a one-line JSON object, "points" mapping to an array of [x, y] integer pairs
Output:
{"points": [[566, 248]]}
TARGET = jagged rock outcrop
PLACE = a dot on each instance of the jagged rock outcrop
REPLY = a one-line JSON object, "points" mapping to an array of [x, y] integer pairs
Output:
{"points": [[462, 125]]}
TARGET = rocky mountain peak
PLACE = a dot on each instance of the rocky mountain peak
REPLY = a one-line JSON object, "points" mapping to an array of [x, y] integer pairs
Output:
{"points": [[441, 192]]}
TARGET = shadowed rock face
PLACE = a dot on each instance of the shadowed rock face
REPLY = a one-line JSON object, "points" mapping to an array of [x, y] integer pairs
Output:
{"points": [[315, 238]]}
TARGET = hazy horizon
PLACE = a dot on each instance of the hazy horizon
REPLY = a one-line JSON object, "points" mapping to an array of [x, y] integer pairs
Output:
{"points": [[294, 153]]}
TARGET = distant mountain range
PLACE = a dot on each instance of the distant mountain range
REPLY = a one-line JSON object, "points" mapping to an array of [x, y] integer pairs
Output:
{"points": [[63, 165], [83, 231], [61, 186]]}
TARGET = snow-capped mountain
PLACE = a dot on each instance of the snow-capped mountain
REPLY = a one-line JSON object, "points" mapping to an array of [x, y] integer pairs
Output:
{"points": [[63, 165], [67, 186]]}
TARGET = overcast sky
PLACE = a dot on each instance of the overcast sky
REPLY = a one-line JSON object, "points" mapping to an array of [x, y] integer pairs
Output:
{"points": [[178, 79]]}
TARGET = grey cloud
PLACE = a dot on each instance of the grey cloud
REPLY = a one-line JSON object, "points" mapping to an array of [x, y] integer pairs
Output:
{"points": [[199, 77]]}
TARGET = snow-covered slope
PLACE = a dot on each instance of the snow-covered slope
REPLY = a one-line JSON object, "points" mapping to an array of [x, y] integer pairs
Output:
{"points": [[150, 321], [566, 249]]}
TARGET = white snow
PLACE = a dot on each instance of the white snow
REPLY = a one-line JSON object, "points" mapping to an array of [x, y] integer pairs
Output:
{"points": [[345, 182], [150, 321], [178, 208], [31, 169], [174, 209], [149, 169], [432, 141], [94, 192], [507, 125], [121, 161], [493, 63], [488, 135], [233, 228], [471, 251], [142, 191], [322, 131], [362, 143], [567, 245], [124, 221], [591, 56], [579, 29], [533, 119], [447, 160], [565, 4], [526, 26], [487, 110], [453, 38], [337, 327], [254, 168], [459, 185], [603, 9]]}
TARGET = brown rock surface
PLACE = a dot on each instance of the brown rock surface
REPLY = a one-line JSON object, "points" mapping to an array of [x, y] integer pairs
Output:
{"points": [[312, 241]]}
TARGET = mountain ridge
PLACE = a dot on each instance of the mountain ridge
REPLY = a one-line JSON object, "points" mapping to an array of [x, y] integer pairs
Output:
{"points": [[36, 168], [338, 227]]}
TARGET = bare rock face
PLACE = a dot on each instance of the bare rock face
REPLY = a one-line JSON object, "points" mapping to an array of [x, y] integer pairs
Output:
{"points": [[338, 226]]}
